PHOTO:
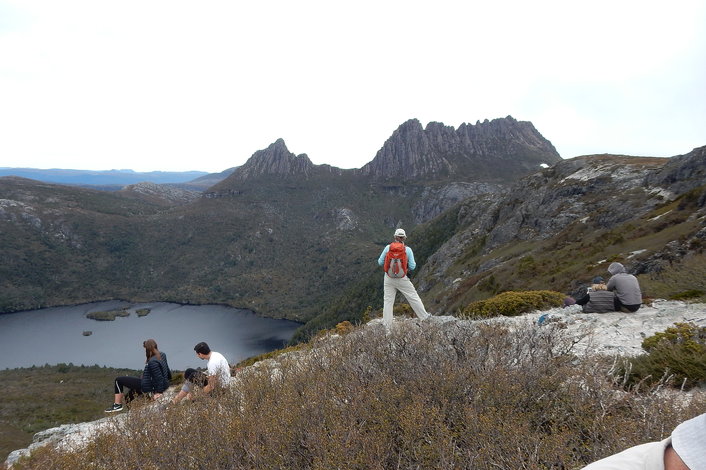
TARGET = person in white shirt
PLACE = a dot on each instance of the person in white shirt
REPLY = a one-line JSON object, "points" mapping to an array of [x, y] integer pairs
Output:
{"points": [[685, 449], [218, 368]]}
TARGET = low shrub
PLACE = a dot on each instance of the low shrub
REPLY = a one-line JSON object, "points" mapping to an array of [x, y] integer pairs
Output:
{"points": [[487, 397], [688, 295], [676, 356], [513, 303]]}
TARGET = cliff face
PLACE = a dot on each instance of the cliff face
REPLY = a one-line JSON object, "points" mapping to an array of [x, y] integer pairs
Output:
{"points": [[496, 150]]}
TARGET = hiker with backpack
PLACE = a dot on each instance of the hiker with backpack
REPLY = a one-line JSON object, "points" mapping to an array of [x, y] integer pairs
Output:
{"points": [[397, 260]]}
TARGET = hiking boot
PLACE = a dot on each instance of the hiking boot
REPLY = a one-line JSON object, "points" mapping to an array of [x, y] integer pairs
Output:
{"points": [[114, 407]]}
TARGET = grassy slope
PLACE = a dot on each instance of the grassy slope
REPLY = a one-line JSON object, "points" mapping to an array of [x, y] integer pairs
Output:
{"points": [[40, 398]]}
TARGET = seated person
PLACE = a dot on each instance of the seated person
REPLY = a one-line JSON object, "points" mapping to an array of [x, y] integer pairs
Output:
{"points": [[627, 290], [597, 299], [191, 377], [217, 377]]}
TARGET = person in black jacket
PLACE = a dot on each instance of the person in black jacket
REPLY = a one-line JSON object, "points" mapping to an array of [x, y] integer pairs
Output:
{"points": [[154, 381]]}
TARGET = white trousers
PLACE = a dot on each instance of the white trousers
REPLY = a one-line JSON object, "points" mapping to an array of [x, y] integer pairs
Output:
{"points": [[391, 285]]}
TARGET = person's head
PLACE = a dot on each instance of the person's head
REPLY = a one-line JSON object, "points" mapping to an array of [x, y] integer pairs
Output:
{"points": [[689, 441], [400, 235], [202, 349], [616, 268], [194, 376], [151, 349]]}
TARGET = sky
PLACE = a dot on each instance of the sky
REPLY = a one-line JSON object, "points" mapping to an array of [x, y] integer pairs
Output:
{"points": [[176, 86]]}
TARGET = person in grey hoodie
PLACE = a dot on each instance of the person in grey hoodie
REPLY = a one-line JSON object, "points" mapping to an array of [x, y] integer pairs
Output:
{"points": [[627, 290]]}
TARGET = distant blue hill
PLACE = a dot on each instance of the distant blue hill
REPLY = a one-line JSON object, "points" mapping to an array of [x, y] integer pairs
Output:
{"points": [[102, 178]]}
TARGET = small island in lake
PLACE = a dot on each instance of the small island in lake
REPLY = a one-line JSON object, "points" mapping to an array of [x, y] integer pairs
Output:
{"points": [[108, 315], [142, 312]]}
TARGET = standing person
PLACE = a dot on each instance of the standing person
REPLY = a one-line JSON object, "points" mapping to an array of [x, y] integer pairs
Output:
{"points": [[154, 381], [218, 374], [397, 259], [597, 299], [626, 288], [685, 449]]}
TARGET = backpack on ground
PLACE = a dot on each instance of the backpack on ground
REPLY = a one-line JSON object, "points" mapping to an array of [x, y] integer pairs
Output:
{"points": [[396, 260]]}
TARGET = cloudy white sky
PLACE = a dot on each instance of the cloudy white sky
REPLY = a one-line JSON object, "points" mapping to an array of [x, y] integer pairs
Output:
{"points": [[176, 85]]}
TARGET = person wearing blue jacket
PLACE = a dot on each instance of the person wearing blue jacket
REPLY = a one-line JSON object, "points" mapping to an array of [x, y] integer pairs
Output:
{"points": [[393, 284], [154, 381]]}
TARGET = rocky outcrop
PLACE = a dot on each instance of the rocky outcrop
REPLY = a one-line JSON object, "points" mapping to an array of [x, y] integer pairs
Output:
{"points": [[599, 192], [496, 150], [682, 173], [161, 193], [435, 200], [276, 160]]}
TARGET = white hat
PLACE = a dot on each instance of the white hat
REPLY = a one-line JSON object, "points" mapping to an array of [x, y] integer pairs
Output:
{"points": [[400, 233], [689, 441]]}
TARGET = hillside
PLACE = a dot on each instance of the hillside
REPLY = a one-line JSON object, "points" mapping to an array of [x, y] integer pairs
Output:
{"points": [[564, 225], [435, 394]]}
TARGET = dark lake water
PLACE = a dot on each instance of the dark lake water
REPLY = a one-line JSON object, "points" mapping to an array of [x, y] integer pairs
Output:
{"points": [[55, 335]]}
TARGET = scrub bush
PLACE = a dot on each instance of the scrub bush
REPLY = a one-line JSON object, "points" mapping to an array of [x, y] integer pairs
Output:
{"points": [[426, 395], [676, 356], [513, 303]]}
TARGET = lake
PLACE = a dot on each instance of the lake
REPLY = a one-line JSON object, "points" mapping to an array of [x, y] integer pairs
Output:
{"points": [[56, 335]]}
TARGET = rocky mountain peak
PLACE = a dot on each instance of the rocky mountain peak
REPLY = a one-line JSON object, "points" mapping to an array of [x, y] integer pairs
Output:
{"points": [[274, 160], [440, 151]]}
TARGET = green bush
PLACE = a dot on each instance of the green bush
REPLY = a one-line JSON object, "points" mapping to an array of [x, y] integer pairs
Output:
{"points": [[513, 303], [687, 295], [676, 356]]}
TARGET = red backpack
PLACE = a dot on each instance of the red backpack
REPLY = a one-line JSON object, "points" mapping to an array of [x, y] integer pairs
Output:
{"points": [[396, 260]]}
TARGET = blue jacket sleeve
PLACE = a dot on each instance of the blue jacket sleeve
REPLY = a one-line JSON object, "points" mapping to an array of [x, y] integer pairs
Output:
{"points": [[381, 259], [411, 264]]}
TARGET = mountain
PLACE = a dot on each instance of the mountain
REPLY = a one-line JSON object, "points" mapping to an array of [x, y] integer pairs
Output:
{"points": [[488, 207], [109, 179], [495, 150]]}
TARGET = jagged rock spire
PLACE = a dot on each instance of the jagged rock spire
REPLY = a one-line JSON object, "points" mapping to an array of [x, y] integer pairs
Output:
{"points": [[442, 151]]}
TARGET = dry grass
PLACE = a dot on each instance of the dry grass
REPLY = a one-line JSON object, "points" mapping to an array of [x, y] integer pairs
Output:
{"points": [[427, 396]]}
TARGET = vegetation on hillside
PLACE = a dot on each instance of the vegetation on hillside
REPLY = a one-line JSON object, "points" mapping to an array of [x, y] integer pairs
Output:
{"points": [[38, 398], [491, 398]]}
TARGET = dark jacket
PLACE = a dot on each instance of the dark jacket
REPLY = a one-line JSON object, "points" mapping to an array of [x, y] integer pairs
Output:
{"points": [[156, 376]]}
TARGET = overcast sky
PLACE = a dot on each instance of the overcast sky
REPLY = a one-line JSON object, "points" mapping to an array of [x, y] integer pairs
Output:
{"points": [[176, 85]]}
